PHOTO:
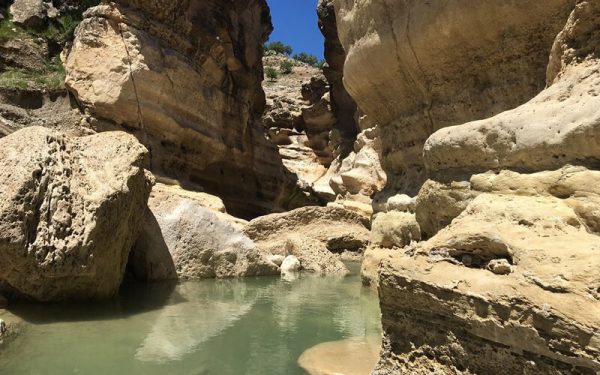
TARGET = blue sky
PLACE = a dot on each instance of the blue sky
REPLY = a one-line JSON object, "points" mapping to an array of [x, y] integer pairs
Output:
{"points": [[295, 23]]}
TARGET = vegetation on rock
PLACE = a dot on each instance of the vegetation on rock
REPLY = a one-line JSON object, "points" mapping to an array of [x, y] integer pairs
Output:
{"points": [[50, 38], [286, 67], [271, 73], [309, 59], [278, 47]]}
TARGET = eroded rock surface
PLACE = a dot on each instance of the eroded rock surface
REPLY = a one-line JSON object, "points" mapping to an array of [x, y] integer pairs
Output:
{"points": [[28, 13], [187, 235], [415, 67], [512, 274], [508, 280], [546, 132], [69, 213], [186, 80], [313, 235]]}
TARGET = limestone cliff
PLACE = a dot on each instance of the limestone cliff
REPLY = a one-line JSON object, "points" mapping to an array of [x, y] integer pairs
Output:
{"points": [[496, 103], [415, 67], [356, 174], [185, 78]]}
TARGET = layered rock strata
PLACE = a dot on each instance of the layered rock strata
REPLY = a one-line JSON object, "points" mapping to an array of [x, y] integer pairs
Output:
{"points": [[299, 119], [315, 235], [511, 286], [185, 78], [507, 280], [356, 173], [70, 211], [416, 67]]}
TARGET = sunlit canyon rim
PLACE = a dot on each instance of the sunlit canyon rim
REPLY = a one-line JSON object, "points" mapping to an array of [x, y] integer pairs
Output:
{"points": [[176, 196]]}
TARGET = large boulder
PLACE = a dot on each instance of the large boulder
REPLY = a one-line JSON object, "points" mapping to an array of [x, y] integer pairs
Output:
{"points": [[187, 235], [28, 13], [394, 229], [439, 203], [70, 210]]}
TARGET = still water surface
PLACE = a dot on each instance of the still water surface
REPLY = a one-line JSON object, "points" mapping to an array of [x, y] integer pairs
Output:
{"points": [[252, 326]]}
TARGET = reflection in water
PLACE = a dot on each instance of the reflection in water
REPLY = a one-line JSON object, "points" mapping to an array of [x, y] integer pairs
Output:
{"points": [[254, 326], [208, 310]]}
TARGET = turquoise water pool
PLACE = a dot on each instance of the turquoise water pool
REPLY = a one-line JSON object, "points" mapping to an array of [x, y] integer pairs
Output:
{"points": [[251, 326]]}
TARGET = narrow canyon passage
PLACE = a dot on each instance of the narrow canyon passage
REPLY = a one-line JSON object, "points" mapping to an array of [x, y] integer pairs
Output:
{"points": [[316, 187]]}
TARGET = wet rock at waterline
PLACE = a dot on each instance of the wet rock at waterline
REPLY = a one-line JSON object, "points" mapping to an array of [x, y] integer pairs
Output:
{"points": [[314, 256], [507, 279], [290, 264], [70, 210], [184, 237]]}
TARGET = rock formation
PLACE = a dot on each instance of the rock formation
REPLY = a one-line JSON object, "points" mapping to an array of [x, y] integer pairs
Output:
{"points": [[343, 105], [28, 12], [313, 234], [69, 212], [188, 235], [356, 174], [299, 119], [415, 67], [186, 80], [507, 279]]}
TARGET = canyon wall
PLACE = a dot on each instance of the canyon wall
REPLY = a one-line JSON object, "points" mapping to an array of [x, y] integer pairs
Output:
{"points": [[415, 67], [185, 78], [489, 117]]}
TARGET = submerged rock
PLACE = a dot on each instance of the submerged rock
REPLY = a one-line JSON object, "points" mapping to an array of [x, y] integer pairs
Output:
{"points": [[354, 356], [70, 210]]}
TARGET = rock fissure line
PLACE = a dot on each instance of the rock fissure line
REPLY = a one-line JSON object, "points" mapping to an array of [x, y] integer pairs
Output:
{"points": [[131, 75], [425, 87]]}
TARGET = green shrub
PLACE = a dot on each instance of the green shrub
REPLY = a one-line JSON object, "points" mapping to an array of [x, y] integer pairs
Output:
{"points": [[307, 58], [278, 47], [271, 73], [286, 67], [52, 77]]}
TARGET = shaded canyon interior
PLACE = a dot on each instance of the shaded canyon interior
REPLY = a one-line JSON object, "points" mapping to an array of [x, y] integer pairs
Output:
{"points": [[450, 148]]}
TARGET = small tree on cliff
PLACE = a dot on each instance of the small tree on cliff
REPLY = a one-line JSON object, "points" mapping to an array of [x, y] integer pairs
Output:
{"points": [[278, 47], [307, 58], [271, 73], [286, 67]]}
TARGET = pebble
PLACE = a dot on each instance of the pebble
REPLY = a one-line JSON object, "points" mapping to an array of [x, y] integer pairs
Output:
{"points": [[500, 267]]}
